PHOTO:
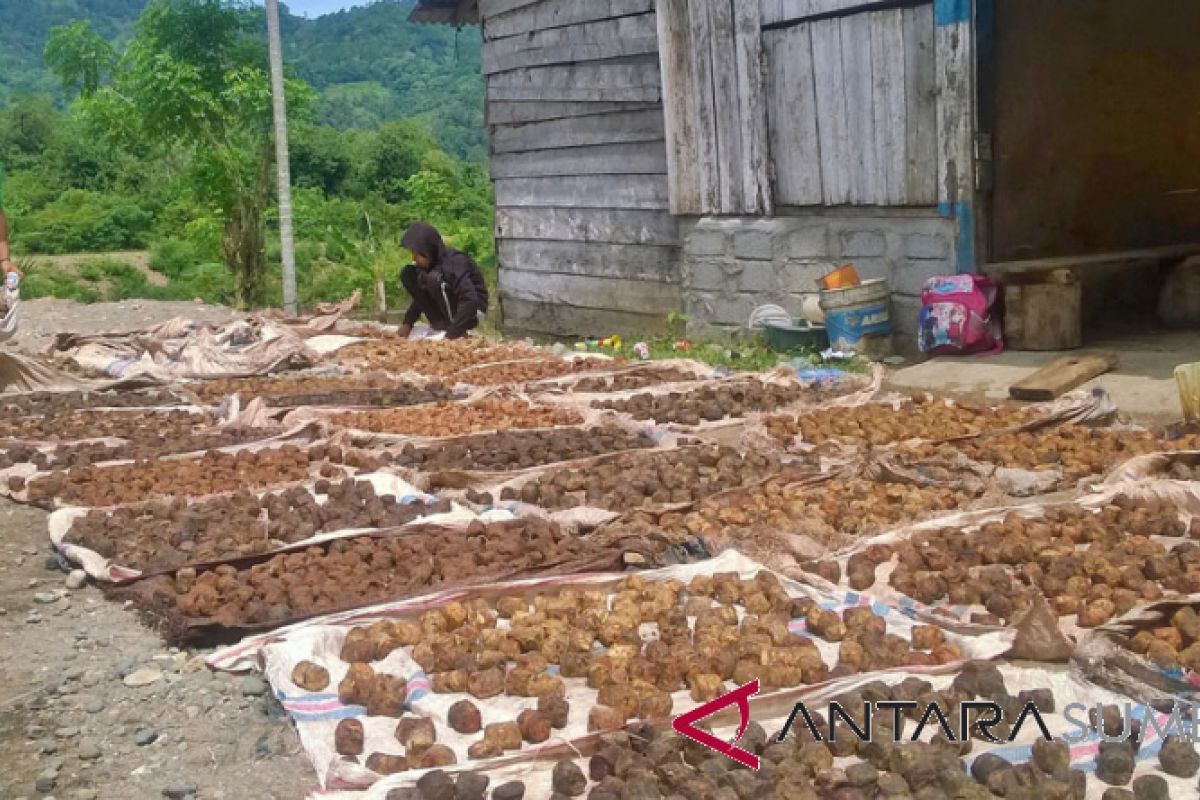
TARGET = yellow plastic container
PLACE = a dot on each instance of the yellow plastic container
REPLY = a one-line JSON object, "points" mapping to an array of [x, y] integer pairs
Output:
{"points": [[1187, 378], [843, 278]]}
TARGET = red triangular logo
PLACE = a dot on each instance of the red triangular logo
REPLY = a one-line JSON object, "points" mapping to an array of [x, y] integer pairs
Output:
{"points": [[685, 724]]}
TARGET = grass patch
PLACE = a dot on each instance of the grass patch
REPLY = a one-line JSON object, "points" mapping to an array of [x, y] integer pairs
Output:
{"points": [[751, 355], [111, 279]]}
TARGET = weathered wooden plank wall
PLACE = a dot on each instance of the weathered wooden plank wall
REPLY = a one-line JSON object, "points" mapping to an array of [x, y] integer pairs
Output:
{"points": [[853, 103], [715, 98], [585, 240]]}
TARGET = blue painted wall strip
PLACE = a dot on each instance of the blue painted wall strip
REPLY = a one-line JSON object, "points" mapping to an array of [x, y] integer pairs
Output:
{"points": [[964, 250], [951, 12], [966, 238]]}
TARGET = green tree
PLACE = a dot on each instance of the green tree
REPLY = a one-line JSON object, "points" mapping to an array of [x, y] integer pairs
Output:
{"points": [[79, 57], [195, 76], [322, 158], [27, 128], [396, 155]]}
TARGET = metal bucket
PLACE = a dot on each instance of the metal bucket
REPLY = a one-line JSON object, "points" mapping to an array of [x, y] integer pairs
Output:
{"points": [[858, 318]]}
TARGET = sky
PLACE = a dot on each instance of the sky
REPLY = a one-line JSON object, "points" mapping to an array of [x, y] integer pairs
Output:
{"points": [[315, 8]]}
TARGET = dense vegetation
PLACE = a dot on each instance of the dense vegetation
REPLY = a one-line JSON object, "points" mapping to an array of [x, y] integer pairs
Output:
{"points": [[157, 135]]}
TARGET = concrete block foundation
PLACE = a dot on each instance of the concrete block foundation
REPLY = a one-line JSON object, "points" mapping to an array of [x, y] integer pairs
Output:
{"points": [[731, 265]]}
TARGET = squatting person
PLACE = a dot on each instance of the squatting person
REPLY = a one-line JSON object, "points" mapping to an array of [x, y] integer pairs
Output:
{"points": [[446, 286]]}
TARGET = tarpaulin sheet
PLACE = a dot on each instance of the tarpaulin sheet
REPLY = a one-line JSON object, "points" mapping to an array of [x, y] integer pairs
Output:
{"points": [[1067, 687], [685, 372], [1160, 495], [846, 389], [184, 349], [456, 483], [111, 570], [300, 436], [320, 640], [1082, 407], [1104, 656], [367, 438]]}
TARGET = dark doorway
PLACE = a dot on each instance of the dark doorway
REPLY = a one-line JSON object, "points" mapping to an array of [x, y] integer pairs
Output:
{"points": [[1096, 123]]}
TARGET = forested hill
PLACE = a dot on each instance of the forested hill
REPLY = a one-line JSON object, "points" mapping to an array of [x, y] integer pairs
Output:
{"points": [[23, 28], [369, 64]]}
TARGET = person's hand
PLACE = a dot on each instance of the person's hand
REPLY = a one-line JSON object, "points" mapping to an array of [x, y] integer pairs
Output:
{"points": [[8, 266], [405, 331]]}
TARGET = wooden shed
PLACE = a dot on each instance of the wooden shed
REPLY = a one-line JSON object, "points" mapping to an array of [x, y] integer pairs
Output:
{"points": [[709, 156]]}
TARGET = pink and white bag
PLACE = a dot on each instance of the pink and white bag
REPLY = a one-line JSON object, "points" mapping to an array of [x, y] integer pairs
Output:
{"points": [[958, 315]]}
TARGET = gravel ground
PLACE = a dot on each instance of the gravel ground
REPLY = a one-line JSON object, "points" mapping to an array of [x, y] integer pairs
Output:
{"points": [[92, 703], [41, 320]]}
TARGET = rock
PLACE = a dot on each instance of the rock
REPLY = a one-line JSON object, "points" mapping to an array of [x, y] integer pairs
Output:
{"points": [[1151, 787], [1052, 758], [66, 733], [33, 618], [46, 598], [471, 786], [1042, 699], [47, 747], [76, 579], [642, 786], [986, 765], [46, 780], [89, 750], [754, 739], [145, 736], [94, 706], [513, 790], [861, 774], [1115, 763], [892, 785], [1039, 637], [1117, 794], [85, 794], [92, 677], [252, 686], [1178, 757], [144, 676], [568, 778], [179, 790], [436, 785]]}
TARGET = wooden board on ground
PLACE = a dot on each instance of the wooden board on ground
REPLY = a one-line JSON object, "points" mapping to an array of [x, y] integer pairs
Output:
{"points": [[1061, 376]]}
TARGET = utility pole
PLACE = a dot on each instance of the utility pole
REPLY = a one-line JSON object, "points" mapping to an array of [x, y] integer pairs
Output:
{"points": [[287, 238]]}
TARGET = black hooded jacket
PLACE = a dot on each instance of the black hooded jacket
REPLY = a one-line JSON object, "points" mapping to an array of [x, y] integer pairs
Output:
{"points": [[452, 277]]}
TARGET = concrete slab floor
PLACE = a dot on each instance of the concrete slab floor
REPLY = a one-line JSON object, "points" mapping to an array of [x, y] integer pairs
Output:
{"points": [[1143, 385]]}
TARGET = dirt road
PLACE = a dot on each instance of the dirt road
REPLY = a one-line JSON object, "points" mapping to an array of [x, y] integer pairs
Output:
{"points": [[92, 703], [41, 320]]}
